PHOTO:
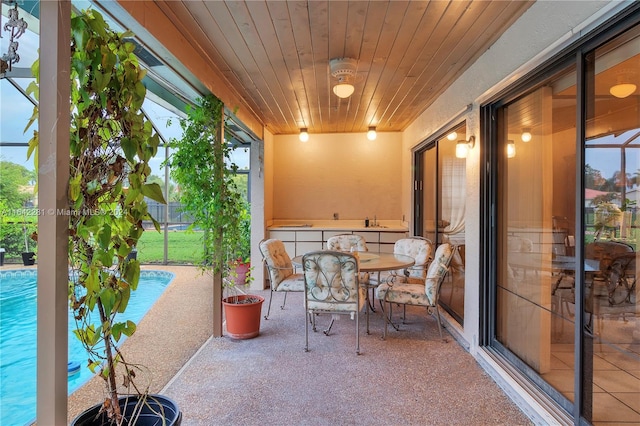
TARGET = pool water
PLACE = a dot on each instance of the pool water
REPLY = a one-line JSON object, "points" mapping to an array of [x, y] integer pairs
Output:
{"points": [[18, 339]]}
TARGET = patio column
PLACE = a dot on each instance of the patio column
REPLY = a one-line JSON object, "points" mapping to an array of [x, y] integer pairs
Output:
{"points": [[53, 177]]}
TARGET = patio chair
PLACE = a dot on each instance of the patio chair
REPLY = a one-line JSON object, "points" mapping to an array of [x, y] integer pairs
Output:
{"points": [[282, 276], [332, 287], [346, 242], [425, 293], [350, 242], [420, 249]]}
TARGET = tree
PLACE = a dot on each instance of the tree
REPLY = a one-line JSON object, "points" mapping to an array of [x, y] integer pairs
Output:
{"points": [[172, 186], [14, 180]]}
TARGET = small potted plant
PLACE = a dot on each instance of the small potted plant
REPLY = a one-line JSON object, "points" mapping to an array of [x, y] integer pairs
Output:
{"points": [[203, 168], [28, 256], [240, 265], [110, 149]]}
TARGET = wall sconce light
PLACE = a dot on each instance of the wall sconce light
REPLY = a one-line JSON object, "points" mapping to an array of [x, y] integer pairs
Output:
{"points": [[526, 135], [511, 149], [371, 134], [304, 135], [452, 136], [622, 90], [463, 147]]}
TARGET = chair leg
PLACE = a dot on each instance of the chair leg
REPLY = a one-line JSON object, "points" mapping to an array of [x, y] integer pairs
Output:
{"points": [[284, 301], [269, 307], [367, 306], [306, 332], [387, 318], [439, 323], [328, 329], [358, 333]]}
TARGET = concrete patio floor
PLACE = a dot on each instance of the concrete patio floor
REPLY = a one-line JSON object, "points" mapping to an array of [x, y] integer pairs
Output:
{"points": [[412, 378]]}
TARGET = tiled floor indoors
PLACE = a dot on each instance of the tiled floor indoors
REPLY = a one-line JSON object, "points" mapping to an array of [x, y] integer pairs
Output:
{"points": [[616, 363]]}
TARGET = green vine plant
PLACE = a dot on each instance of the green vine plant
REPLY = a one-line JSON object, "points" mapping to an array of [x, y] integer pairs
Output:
{"points": [[201, 165], [111, 145]]}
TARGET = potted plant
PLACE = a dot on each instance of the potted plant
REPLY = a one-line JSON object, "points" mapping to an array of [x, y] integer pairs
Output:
{"points": [[240, 264], [203, 168], [28, 257], [110, 150]]}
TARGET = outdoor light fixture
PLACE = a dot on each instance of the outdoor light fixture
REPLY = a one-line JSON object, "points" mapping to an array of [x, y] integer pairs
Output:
{"points": [[371, 134], [622, 90], [344, 69], [452, 136], [463, 147], [511, 149], [304, 135], [526, 135]]}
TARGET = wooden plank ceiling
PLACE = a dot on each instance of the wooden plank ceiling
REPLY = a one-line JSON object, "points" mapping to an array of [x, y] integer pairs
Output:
{"points": [[275, 54]]}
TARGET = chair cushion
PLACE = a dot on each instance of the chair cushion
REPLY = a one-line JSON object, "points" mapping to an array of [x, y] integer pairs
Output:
{"points": [[293, 282], [420, 249], [278, 262], [403, 293], [345, 242], [347, 307], [437, 270]]}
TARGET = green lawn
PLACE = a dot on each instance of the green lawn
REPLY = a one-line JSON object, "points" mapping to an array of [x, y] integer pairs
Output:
{"points": [[183, 246]]}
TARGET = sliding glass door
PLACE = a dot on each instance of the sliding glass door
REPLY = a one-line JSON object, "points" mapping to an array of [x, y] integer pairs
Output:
{"points": [[565, 186], [440, 203]]}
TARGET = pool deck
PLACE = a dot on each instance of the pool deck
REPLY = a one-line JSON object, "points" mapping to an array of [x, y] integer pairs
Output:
{"points": [[412, 378]]}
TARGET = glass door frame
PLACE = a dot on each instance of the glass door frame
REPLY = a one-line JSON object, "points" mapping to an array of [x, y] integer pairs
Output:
{"points": [[574, 55]]}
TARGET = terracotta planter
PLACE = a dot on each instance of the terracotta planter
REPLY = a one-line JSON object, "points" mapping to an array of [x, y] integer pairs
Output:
{"points": [[242, 317]]}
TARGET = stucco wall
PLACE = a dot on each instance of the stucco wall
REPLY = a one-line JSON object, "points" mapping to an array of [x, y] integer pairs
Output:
{"points": [[337, 173]]}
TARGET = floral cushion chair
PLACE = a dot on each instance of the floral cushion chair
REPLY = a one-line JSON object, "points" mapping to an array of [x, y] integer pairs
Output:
{"points": [[421, 249], [282, 275], [350, 242], [424, 293], [332, 287]]}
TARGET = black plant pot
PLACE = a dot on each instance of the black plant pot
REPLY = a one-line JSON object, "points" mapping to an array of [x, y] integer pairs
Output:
{"points": [[157, 410], [132, 255], [28, 258]]}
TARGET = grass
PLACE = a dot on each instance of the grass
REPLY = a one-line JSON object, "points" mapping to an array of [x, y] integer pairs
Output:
{"points": [[183, 247]]}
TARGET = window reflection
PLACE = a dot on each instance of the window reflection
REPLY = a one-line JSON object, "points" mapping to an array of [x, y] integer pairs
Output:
{"points": [[443, 204], [537, 197], [537, 209]]}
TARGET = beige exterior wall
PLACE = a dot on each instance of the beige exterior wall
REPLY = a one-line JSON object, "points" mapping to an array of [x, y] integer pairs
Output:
{"points": [[337, 173]]}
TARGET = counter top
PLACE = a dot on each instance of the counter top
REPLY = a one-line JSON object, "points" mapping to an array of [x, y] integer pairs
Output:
{"points": [[338, 225]]}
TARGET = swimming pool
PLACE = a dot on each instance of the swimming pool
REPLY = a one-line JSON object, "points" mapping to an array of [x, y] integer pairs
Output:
{"points": [[18, 339]]}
